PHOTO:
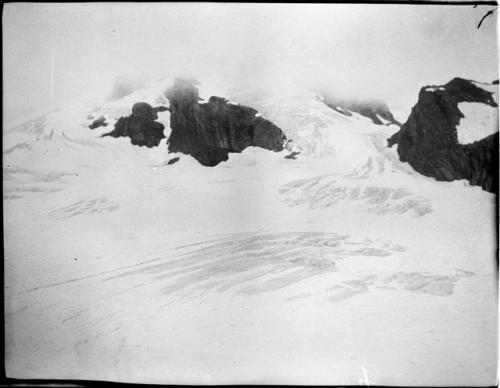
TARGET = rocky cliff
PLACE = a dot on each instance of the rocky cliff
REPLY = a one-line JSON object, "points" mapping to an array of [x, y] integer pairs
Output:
{"points": [[428, 140], [210, 131]]}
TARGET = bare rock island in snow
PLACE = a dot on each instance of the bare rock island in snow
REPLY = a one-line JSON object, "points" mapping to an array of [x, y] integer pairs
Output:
{"points": [[452, 133], [140, 126], [99, 122], [210, 131]]}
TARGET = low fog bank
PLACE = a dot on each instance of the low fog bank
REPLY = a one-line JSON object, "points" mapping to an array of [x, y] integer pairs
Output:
{"points": [[55, 53]]}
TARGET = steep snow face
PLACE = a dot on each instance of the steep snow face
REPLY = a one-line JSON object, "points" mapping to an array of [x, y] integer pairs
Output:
{"points": [[120, 266], [319, 131], [480, 120]]}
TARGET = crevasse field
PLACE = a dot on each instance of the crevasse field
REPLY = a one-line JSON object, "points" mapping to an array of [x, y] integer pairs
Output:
{"points": [[341, 264]]}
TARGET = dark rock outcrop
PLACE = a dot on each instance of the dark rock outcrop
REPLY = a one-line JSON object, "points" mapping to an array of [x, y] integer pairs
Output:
{"points": [[140, 126], [428, 140], [100, 122], [373, 109], [210, 131], [173, 161], [292, 155]]}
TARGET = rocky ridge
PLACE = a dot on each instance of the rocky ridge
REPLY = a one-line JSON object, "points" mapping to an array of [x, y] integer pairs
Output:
{"points": [[428, 140]]}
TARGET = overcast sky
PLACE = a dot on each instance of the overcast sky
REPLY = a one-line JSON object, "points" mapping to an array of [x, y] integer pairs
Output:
{"points": [[388, 51]]}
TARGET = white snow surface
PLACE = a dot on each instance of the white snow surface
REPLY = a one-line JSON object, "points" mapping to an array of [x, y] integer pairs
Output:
{"points": [[259, 270], [481, 120], [434, 88]]}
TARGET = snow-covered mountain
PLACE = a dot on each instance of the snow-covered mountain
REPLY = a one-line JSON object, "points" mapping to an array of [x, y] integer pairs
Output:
{"points": [[123, 266]]}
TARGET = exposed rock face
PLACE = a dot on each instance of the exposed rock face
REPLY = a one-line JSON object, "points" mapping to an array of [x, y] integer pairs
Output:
{"points": [[293, 155], [173, 161], [140, 126], [428, 140], [373, 109], [210, 131], [100, 122]]}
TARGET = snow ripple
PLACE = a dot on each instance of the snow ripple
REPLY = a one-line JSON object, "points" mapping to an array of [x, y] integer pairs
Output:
{"points": [[84, 207]]}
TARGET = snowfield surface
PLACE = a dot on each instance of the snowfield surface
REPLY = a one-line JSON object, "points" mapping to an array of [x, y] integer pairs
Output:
{"points": [[480, 120], [433, 89], [259, 270]]}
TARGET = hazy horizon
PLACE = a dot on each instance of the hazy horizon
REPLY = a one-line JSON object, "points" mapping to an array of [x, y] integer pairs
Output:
{"points": [[383, 51]]}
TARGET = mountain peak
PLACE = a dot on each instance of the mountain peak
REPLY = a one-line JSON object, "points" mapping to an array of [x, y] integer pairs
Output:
{"points": [[432, 139]]}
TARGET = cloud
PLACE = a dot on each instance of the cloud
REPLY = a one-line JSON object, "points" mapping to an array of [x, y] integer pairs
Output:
{"points": [[384, 51], [125, 84]]}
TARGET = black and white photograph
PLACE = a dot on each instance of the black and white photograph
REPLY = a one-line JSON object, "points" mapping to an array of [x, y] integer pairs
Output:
{"points": [[248, 193]]}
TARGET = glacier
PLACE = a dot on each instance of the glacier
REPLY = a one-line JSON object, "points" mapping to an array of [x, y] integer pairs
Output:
{"points": [[121, 267]]}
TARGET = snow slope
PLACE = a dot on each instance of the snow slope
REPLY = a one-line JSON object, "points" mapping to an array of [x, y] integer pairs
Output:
{"points": [[480, 120], [260, 270]]}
